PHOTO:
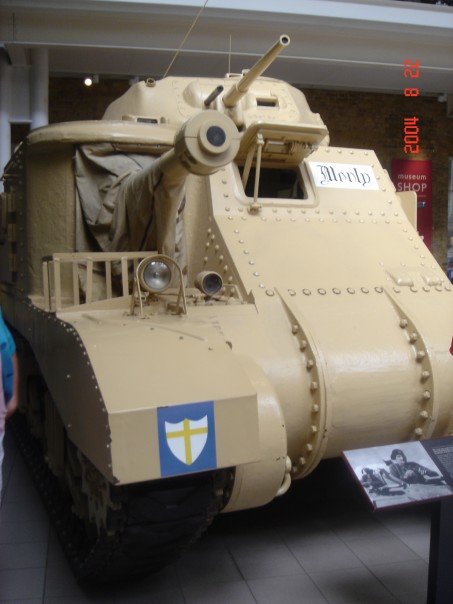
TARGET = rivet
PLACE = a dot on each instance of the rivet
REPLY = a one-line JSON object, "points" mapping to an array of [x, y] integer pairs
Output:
{"points": [[321, 291], [365, 290], [295, 329], [314, 429], [302, 461], [309, 447], [336, 290], [205, 259], [413, 289], [217, 248], [396, 290], [310, 363], [256, 274], [427, 395], [426, 288], [225, 268], [403, 323], [291, 292], [350, 290], [413, 337], [251, 262], [262, 285], [314, 386], [227, 208], [241, 241], [270, 292], [207, 244], [236, 231], [379, 290], [421, 355], [240, 209], [315, 408], [303, 345], [212, 237], [246, 252], [418, 431], [426, 375], [424, 414], [307, 292], [221, 258]]}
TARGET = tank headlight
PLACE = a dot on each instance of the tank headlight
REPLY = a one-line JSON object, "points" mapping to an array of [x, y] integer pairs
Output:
{"points": [[156, 275], [209, 282]]}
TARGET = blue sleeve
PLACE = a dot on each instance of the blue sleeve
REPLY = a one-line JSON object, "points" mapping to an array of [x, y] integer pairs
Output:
{"points": [[7, 349]]}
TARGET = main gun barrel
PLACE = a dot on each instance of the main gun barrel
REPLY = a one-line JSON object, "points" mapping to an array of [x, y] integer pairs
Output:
{"points": [[236, 92]]}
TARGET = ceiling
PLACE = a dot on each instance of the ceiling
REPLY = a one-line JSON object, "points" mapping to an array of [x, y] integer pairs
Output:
{"points": [[346, 44]]}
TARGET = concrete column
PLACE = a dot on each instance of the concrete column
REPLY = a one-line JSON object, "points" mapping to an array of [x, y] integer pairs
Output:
{"points": [[39, 88], [5, 107]]}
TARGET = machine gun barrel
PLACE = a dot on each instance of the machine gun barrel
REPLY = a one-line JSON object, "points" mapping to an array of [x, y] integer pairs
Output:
{"points": [[236, 92]]}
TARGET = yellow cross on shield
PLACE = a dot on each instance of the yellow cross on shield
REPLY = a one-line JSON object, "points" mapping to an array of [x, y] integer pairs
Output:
{"points": [[187, 439]]}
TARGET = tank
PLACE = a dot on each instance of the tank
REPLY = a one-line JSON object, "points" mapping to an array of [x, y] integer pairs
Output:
{"points": [[208, 299]]}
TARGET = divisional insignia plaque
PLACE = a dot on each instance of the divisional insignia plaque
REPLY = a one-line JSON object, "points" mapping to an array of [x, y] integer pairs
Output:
{"points": [[186, 438]]}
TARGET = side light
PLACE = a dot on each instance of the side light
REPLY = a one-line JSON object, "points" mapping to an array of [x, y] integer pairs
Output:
{"points": [[209, 282]]}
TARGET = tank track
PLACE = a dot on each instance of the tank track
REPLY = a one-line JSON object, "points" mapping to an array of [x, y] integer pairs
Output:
{"points": [[156, 521]]}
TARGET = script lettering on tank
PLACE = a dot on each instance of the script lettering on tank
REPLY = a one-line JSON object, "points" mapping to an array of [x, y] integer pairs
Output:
{"points": [[343, 176]]}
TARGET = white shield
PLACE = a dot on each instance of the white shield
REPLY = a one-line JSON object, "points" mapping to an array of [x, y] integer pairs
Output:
{"points": [[187, 439]]}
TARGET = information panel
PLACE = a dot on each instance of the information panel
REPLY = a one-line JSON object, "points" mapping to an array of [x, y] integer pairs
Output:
{"points": [[404, 473]]}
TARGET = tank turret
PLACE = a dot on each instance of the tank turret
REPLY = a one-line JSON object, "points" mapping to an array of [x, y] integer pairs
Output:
{"points": [[208, 300]]}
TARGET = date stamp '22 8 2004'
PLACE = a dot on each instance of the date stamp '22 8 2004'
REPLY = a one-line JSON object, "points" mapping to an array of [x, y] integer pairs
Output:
{"points": [[410, 126]]}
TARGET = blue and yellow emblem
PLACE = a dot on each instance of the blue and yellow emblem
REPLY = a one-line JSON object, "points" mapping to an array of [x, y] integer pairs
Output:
{"points": [[186, 438]]}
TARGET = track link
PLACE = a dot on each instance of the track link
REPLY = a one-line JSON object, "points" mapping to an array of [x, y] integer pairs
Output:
{"points": [[156, 521]]}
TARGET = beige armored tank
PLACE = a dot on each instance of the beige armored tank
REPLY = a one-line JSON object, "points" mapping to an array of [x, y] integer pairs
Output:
{"points": [[208, 299]]}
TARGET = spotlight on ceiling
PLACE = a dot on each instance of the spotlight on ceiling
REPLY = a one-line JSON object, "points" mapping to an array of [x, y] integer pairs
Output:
{"points": [[89, 80]]}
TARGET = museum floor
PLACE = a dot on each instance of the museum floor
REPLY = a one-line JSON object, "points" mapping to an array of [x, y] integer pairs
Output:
{"points": [[319, 543]]}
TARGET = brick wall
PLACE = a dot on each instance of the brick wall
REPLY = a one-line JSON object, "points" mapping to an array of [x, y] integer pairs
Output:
{"points": [[355, 119]]}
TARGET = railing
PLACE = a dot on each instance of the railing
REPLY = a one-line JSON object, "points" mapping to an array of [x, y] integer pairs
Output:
{"points": [[59, 295]]}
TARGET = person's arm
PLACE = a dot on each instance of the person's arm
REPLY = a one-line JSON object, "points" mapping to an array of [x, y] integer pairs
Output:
{"points": [[14, 400]]}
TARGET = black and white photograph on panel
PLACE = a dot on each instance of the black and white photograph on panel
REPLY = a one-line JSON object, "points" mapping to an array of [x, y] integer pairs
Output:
{"points": [[404, 473]]}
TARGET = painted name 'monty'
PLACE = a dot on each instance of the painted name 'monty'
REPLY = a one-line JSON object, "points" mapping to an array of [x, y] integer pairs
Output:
{"points": [[329, 175]]}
